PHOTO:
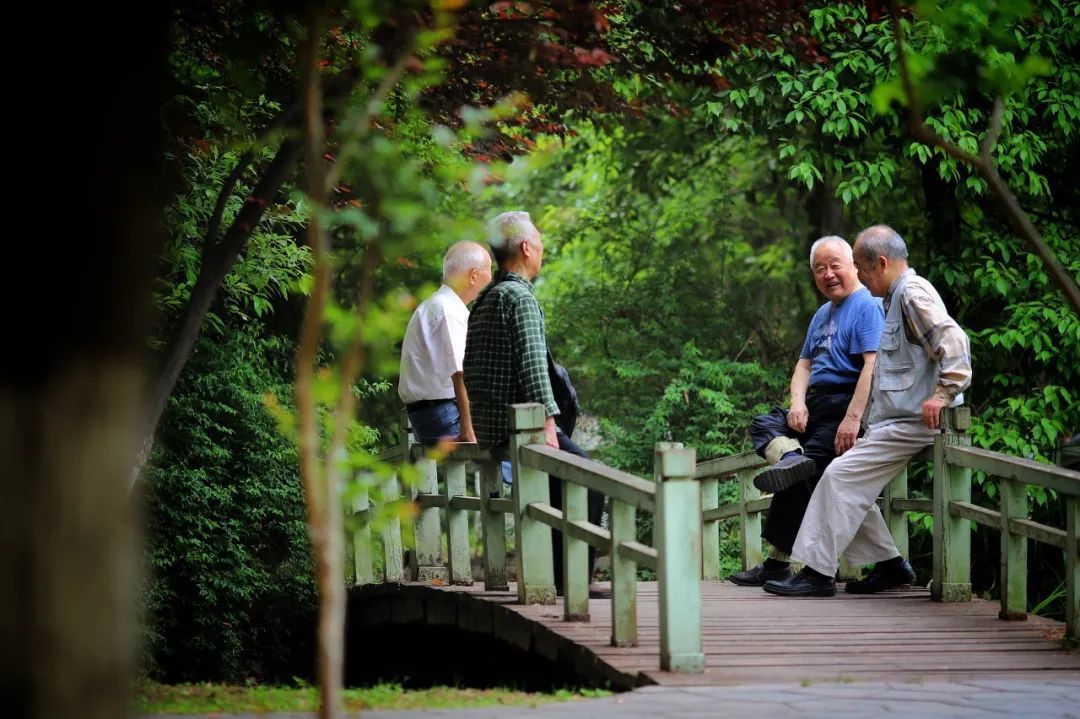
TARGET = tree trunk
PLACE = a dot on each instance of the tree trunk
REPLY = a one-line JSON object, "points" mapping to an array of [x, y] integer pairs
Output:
{"points": [[218, 258], [944, 239], [73, 380], [825, 212]]}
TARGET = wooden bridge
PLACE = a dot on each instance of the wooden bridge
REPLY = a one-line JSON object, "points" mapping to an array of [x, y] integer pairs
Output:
{"points": [[689, 626]]}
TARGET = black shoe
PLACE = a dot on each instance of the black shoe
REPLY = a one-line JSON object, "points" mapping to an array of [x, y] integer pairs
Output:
{"points": [[597, 591], [788, 472], [807, 583], [758, 575], [881, 578]]}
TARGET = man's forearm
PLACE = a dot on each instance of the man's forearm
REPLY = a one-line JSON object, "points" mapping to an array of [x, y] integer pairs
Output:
{"points": [[462, 397], [530, 356], [800, 382], [857, 405]]}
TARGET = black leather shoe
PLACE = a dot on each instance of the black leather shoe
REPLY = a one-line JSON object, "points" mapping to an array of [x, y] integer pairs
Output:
{"points": [[597, 591], [788, 472], [756, 576], [807, 583], [881, 578]]}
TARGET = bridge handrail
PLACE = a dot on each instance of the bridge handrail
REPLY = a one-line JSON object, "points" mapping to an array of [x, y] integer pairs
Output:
{"points": [[674, 499], [953, 460], [592, 475], [726, 467]]}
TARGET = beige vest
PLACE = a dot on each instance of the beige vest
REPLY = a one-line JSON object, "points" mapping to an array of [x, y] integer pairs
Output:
{"points": [[905, 376]]}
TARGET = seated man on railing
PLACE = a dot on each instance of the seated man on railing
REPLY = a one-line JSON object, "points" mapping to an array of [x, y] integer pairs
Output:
{"points": [[431, 384], [923, 365], [829, 388], [506, 357]]}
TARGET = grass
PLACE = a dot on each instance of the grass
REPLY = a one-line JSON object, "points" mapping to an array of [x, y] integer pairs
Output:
{"points": [[153, 698]]}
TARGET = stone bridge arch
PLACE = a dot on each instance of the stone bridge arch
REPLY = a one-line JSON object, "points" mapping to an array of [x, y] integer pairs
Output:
{"points": [[467, 635]]}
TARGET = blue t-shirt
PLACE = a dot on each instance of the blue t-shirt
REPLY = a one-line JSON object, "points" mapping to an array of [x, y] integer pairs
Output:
{"points": [[839, 335]]}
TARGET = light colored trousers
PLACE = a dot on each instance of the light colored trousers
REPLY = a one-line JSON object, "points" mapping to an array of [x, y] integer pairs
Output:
{"points": [[843, 516]]}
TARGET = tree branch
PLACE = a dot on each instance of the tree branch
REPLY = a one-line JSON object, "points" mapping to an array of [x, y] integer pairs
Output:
{"points": [[916, 122], [320, 477], [283, 119], [218, 258], [374, 104], [990, 141], [985, 166]]}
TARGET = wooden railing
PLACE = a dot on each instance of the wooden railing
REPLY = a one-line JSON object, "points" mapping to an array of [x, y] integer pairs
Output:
{"points": [[953, 460], [673, 497]]}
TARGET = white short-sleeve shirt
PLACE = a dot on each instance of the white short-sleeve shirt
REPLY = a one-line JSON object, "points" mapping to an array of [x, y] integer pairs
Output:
{"points": [[434, 347]]}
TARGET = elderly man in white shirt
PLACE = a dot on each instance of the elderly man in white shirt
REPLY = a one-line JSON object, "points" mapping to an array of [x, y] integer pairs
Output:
{"points": [[432, 385]]}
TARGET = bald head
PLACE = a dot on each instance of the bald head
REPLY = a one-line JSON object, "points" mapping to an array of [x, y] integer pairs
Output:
{"points": [[880, 241], [462, 257], [466, 269], [880, 257]]}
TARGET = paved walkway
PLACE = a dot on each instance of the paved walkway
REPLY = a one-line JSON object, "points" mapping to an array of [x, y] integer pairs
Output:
{"points": [[990, 698]]}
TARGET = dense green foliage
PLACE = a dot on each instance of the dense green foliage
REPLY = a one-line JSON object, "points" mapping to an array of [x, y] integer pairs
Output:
{"points": [[231, 593]]}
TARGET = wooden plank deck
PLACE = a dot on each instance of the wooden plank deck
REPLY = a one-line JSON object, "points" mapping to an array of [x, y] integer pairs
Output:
{"points": [[751, 637]]}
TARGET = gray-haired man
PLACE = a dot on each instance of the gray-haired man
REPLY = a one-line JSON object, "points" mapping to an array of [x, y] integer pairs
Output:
{"points": [[829, 388], [506, 357]]}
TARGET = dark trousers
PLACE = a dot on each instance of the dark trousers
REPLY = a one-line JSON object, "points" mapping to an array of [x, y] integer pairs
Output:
{"points": [[595, 512], [827, 409]]}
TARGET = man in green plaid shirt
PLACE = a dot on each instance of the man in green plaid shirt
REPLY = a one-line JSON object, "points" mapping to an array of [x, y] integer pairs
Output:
{"points": [[506, 358], [506, 347]]}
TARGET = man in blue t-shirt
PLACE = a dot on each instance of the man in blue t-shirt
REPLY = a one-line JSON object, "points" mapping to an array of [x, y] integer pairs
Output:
{"points": [[829, 389]]}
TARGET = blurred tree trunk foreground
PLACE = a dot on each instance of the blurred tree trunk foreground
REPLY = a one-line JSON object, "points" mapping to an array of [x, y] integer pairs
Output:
{"points": [[73, 379]]}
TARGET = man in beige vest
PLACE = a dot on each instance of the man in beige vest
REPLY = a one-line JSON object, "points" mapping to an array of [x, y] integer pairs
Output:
{"points": [[923, 365]]}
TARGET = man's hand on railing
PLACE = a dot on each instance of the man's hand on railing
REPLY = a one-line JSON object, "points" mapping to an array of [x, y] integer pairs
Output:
{"points": [[931, 411], [551, 437]]}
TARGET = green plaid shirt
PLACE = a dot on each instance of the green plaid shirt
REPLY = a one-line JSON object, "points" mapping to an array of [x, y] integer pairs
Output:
{"points": [[505, 357]]}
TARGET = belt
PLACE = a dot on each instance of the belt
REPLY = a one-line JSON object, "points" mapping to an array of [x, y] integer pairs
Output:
{"points": [[425, 403], [832, 389]]}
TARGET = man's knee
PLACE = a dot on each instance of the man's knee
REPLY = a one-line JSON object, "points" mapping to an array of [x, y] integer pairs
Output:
{"points": [[772, 421]]}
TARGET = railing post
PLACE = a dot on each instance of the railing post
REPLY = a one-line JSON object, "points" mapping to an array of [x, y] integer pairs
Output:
{"points": [[1072, 567], [393, 551], [749, 524], [428, 527], [897, 488], [1014, 505], [710, 531], [457, 524], [478, 519], [623, 576], [678, 534], [361, 535], [535, 570], [494, 528], [575, 555], [394, 567], [952, 535]]}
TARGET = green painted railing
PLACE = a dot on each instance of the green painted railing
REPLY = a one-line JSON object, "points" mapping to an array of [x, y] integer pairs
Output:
{"points": [[953, 460], [673, 497]]}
